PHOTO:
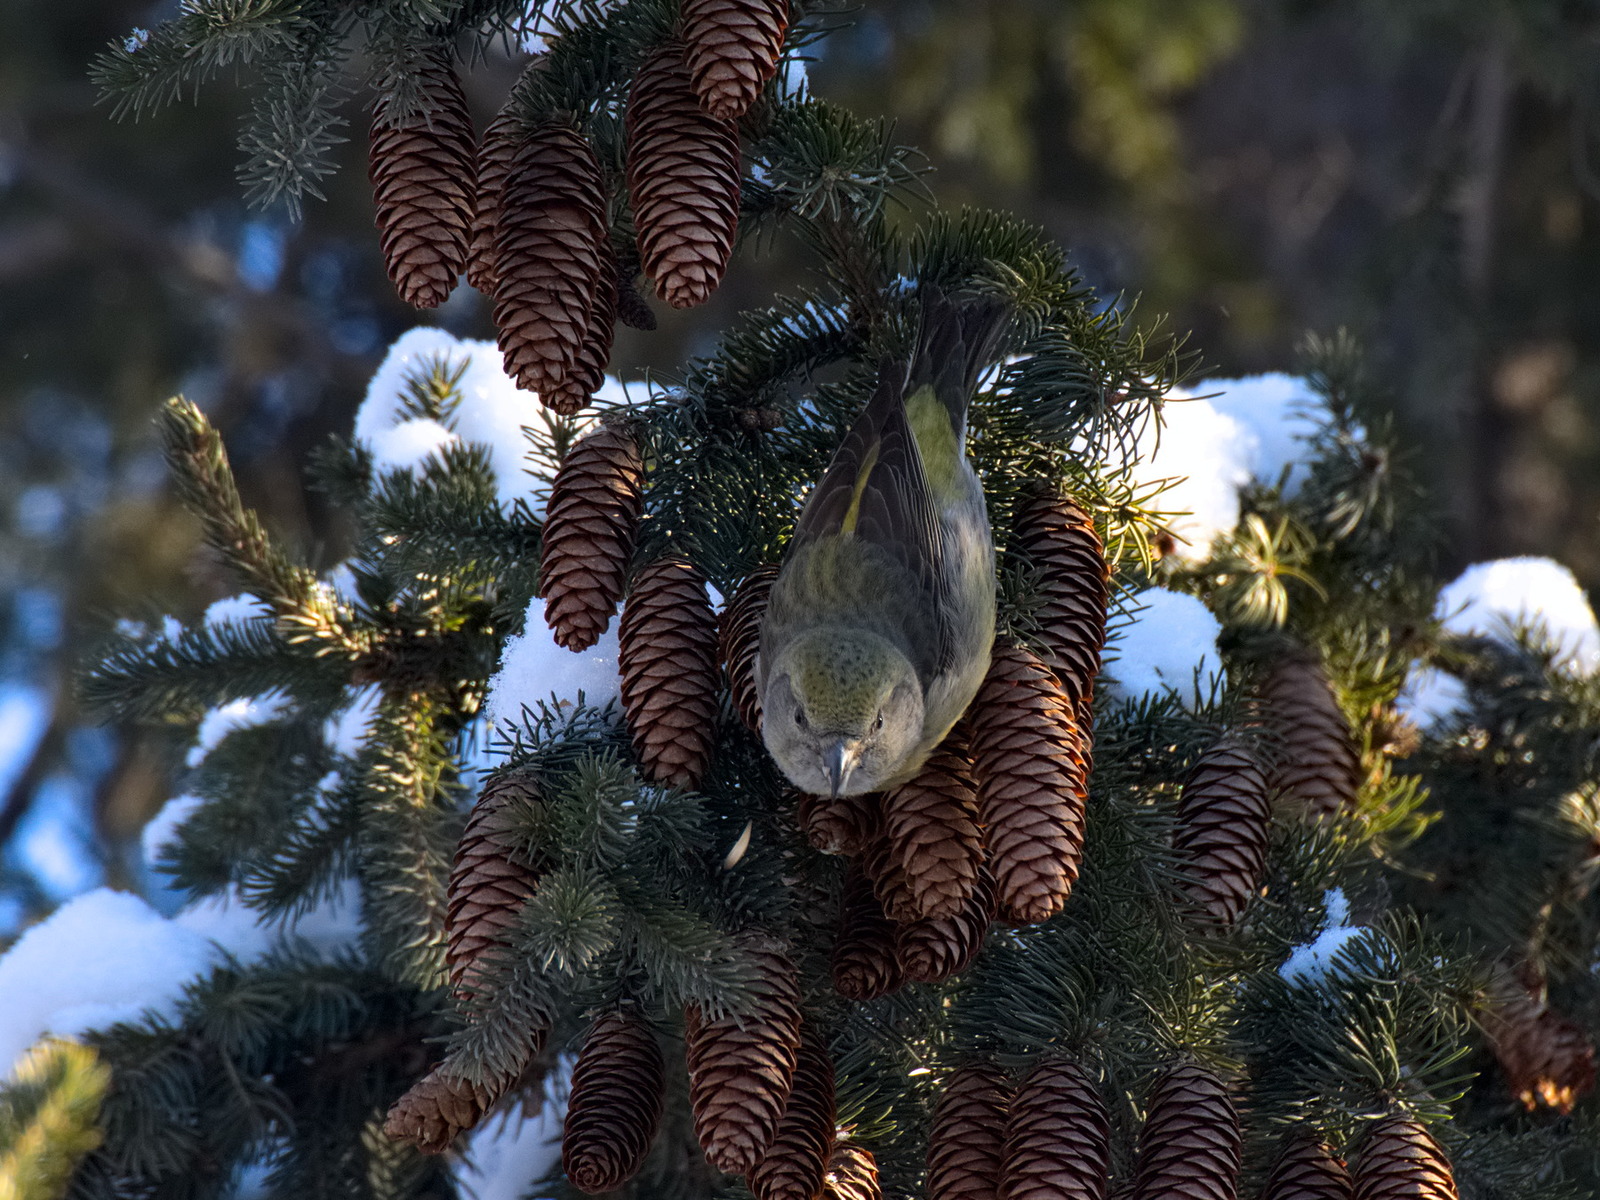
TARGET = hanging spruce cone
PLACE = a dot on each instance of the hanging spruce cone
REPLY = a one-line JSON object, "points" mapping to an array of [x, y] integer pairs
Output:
{"points": [[741, 1067], [488, 886], [421, 170], [496, 155], [548, 244], [732, 49], [589, 528], [1401, 1161], [437, 1107], [668, 661], [1058, 1137], [932, 833], [614, 1107], [794, 1166], [1057, 540], [588, 372], [852, 1174], [1031, 791], [738, 639], [864, 962], [933, 949], [1308, 1169], [1190, 1145], [1221, 840], [839, 824], [888, 880], [683, 177], [1547, 1059], [967, 1138], [1313, 762]]}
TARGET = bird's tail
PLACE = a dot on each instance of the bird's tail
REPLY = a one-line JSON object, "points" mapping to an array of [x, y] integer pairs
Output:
{"points": [[956, 340]]}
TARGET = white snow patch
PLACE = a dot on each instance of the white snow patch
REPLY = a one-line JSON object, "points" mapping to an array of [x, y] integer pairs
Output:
{"points": [[243, 607], [506, 1155], [342, 579], [243, 713], [1169, 644], [1312, 962], [1430, 698], [346, 730], [1493, 599], [409, 445], [1204, 457], [161, 830], [1281, 413], [533, 668]]}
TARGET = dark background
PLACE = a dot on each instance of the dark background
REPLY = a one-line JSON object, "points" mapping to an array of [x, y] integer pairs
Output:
{"points": [[1423, 172]]}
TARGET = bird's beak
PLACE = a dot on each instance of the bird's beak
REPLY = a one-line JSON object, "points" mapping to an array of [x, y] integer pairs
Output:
{"points": [[840, 758]]}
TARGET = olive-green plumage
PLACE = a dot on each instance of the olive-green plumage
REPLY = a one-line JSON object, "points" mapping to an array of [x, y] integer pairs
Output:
{"points": [[879, 626]]}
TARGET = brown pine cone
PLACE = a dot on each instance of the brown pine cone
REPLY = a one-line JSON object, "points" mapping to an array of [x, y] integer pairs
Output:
{"points": [[1190, 1145], [889, 883], [738, 640], [864, 962], [421, 170], [794, 1166], [1057, 539], [488, 885], [437, 1107], [852, 1174], [1312, 760], [1221, 839], [839, 824], [932, 832], [1547, 1059], [933, 949], [683, 176], [732, 49], [1031, 785], [589, 526], [548, 246], [614, 1106], [1058, 1137], [496, 154], [668, 661], [588, 373], [968, 1135], [1308, 1169], [741, 1066], [1401, 1161]]}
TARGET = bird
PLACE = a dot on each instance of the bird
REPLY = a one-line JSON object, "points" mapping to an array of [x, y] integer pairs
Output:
{"points": [[880, 624]]}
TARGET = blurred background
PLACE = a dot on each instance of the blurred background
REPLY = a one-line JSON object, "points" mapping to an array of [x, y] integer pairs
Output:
{"points": [[1425, 173]]}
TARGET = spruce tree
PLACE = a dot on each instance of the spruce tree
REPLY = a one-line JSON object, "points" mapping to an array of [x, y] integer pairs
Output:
{"points": [[1273, 926]]}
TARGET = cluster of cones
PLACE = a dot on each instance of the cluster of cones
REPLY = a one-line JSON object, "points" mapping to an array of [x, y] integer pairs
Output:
{"points": [[525, 211]]}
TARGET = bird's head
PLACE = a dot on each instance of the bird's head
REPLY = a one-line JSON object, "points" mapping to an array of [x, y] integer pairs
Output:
{"points": [[842, 712]]}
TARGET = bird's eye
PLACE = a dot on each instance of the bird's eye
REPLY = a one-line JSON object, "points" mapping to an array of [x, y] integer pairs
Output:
{"points": [[877, 725], [800, 718]]}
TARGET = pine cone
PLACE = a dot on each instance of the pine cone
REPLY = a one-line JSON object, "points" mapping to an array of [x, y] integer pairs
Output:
{"points": [[668, 661], [732, 49], [589, 528], [1547, 1059], [615, 1105], [548, 246], [839, 824], [683, 176], [738, 640], [889, 883], [864, 962], [588, 373], [1058, 1137], [496, 155], [1221, 840], [931, 828], [421, 170], [1190, 1145], [967, 1137], [933, 949], [1308, 1169], [437, 1107], [1031, 791], [852, 1174], [794, 1166], [1058, 540], [1401, 1161], [488, 887], [1313, 761], [741, 1066]]}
